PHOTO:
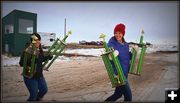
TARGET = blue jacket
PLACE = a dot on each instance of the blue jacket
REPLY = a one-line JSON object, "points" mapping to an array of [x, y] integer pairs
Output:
{"points": [[124, 55]]}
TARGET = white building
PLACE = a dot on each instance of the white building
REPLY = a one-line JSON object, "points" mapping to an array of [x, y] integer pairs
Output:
{"points": [[47, 39]]}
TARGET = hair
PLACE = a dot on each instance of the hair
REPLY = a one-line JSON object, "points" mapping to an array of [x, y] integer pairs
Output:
{"points": [[25, 46], [41, 50], [37, 35]]}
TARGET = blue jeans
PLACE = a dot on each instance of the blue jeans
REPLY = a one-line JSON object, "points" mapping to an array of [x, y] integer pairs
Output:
{"points": [[119, 91], [37, 88]]}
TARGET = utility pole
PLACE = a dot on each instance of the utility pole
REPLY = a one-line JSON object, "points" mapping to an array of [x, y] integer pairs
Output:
{"points": [[64, 30], [65, 27]]}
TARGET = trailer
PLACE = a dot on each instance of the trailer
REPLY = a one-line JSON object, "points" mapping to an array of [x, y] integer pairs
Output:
{"points": [[47, 39]]}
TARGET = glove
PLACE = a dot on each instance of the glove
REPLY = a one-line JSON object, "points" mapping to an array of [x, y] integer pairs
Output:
{"points": [[116, 53]]}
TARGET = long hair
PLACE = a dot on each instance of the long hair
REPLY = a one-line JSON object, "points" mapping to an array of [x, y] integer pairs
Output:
{"points": [[25, 46], [41, 50]]}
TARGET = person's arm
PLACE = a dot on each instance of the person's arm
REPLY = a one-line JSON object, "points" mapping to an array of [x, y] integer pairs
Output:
{"points": [[110, 44], [21, 59]]}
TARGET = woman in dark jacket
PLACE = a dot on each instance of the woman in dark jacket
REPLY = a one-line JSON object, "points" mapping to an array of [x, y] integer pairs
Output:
{"points": [[120, 45], [36, 85]]}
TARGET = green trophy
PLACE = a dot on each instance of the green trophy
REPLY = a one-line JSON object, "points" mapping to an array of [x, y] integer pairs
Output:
{"points": [[137, 69], [108, 57], [30, 55], [56, 49]]}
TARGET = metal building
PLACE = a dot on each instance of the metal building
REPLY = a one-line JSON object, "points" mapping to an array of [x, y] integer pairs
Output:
{"points": [[17, 26]]}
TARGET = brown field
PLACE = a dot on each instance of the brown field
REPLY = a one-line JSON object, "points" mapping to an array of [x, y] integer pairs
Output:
{"points": [[86, 79]]}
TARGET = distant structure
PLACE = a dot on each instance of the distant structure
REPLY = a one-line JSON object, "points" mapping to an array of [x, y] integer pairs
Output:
{"points": [[17, 27], [47, 39], [98, 43]]}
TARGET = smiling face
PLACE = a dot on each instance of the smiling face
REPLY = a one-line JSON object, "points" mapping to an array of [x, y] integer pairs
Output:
{"points": [[118, 35], [37, 44]]}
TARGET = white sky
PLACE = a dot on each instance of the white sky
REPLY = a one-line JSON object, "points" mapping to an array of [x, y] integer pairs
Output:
{"points": [[87, 20]]}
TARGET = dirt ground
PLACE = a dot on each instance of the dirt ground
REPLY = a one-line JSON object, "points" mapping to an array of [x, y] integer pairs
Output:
{"points": [[86, 79]]}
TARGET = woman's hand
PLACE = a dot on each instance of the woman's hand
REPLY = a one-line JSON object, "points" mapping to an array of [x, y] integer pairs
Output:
{"points": [[116, 53]]}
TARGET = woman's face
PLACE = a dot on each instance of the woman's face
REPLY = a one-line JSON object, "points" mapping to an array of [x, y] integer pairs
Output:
{"points": [[37, 44], [118, 35]]}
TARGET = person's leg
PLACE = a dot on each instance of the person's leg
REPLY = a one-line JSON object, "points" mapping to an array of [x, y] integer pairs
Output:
{"points": [[42, 86], [127, 93], [32, 86], [117, 94]]}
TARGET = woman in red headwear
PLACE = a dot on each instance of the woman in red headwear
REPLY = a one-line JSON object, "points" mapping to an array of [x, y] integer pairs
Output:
{"points": [[119, 44]]}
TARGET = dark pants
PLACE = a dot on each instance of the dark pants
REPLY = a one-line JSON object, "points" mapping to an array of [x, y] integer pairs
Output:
{"points": [[37, 88], [119, 91]]}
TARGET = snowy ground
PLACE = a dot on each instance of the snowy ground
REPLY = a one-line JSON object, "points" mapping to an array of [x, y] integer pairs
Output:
{"points": [[9, 61]]}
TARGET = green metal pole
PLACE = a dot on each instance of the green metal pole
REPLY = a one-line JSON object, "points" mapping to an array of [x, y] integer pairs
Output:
{"points": [[46, 68], [102, 36], [118, 67], [52, 53], [140, 61], [33, 59], [139, 69], [57, 42], [108, 68], [134, 53], [121, 78], [60, 45], [25, 63], [53, 45], [29, 56]]}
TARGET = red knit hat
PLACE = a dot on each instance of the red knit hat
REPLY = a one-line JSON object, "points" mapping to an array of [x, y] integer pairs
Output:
{"points": [[120, 27]]}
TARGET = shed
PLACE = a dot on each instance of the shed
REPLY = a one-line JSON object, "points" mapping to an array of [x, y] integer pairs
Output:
{"points": [[16, 31]]}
